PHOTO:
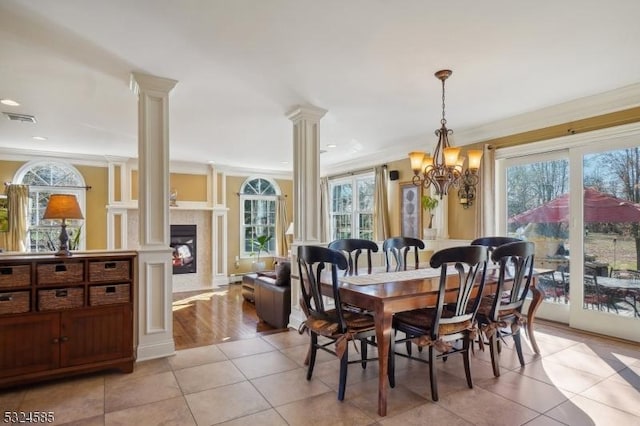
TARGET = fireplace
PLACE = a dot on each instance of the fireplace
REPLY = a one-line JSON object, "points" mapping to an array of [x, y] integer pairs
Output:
{"points": [[183, 242]]}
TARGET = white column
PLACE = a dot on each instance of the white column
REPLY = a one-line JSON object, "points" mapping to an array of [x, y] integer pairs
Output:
{"points": [[154, 316], [306, 192]]}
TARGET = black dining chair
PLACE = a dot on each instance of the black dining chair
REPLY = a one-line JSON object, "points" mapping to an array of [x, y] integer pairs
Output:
{"points": [[397, 249], [336, 325], [493, 242], [449, 320], [352, 248], [500, 313]]}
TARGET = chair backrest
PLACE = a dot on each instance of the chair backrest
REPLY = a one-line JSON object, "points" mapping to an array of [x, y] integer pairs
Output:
{"points": [[397, 248], [516, 267], [470, 263], [312, 262], [352, 248], [493, 242], [591, 284]]}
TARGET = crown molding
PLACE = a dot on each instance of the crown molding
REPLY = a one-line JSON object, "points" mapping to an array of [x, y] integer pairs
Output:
{"points": [[17, 154]]}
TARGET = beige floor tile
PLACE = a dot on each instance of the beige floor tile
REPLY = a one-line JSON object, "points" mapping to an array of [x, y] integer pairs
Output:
{"points": [[172, 411], [287, 339], [531, 393], [591, 363], [323, 409], [69, 400], [140, 369], [329, 373], [268, 417], [486, 408], [365, 396], [508, 357], [417, 417], [615, 394], [208, 376], [140, 390], [584, 411], [196, 356], [10, 399], [603, 349], [225, 403], [544, 421], [417, 381], [282, 388], [245, 347], [561, 376], [264, 364], [299, 353], [90, 421], [629, 376]]}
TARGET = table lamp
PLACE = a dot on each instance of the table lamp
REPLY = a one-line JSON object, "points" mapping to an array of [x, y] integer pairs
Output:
{"points": [[63, 206]]}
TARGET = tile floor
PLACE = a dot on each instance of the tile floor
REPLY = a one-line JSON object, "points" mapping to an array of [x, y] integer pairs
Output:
{"points": [[579, 380]]}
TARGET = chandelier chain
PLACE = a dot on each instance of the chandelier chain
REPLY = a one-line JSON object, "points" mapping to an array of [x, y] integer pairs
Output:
{"points": [[443, 121]]}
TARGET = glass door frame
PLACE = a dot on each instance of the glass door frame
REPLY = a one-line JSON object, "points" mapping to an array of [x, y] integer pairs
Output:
{"points": [[575, 147]]}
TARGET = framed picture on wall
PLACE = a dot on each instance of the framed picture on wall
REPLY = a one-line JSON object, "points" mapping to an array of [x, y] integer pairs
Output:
{"points": [[4, 213], [410, 211]]}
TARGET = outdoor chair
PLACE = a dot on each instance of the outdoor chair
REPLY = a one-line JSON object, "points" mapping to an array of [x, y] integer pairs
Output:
{"points": [[397, 249], [336, 327], [500, 314], [440, 327]]}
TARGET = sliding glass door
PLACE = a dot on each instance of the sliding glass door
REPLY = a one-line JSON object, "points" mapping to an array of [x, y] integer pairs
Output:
{"points": [[579, 204]]}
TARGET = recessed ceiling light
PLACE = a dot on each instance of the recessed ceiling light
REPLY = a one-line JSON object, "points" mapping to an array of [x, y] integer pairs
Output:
{"points": [[9, 102], [39, 138], [332, 145]]}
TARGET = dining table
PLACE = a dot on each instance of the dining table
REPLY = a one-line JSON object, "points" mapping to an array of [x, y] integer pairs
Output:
{"points": [[387, 293]]}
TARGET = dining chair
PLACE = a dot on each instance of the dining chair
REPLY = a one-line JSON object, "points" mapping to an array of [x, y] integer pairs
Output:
{"points": [[352, 248], [500, 313], [630, 295], [493, 242], [397, 249], [337, 326], [451, 320]]}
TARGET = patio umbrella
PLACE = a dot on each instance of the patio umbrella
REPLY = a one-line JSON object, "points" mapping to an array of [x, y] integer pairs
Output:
{"points": [[598, 207]]}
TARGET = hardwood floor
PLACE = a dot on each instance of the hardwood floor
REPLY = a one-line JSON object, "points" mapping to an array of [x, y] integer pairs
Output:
{"points": [[214, 316]]}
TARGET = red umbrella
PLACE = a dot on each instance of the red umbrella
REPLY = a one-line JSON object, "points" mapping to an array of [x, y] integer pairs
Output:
{"points": [[598, 207]]}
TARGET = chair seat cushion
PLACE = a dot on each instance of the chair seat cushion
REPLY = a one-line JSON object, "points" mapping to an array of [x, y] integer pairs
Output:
{"points": [[486, 304], [329, 326], [423, 319]]}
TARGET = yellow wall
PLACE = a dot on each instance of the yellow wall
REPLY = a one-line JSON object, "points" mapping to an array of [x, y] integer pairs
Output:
{"points": [[189, 187], [233, 221], [95, 223]]}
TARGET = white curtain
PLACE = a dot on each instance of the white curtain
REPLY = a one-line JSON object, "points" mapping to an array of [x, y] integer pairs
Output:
{"points": [[485, 210], [282, 222], [18, 200], [325, 219], [381, 225]]}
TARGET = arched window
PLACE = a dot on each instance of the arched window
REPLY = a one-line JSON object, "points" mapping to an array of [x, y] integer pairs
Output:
{"points": [[257, 212], [45, 178]]}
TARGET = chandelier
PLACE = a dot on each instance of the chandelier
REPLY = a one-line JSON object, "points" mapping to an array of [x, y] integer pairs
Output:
{"points": [[445, 168]]}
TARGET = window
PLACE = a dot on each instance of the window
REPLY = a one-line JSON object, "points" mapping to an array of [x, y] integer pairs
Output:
{"points": [[351, 206], [45, 178], [258, 213]]}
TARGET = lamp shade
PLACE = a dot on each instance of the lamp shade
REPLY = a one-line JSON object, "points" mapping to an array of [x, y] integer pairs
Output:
{"points": [[63, 206]]}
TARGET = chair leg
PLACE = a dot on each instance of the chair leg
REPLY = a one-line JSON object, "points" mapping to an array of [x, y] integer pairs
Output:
{"points": [[312, 354], [465, 359], [432, 374], [391, 363], [518, 343], [495, 354], [363, 353], [344, 364]]}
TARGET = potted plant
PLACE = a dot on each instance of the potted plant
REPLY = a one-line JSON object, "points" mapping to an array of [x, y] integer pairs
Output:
{"points": [[261, 244], [429, 204]]}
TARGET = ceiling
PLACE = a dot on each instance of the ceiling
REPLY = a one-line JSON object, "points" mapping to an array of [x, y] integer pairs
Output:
{"points": [[241, 65]]}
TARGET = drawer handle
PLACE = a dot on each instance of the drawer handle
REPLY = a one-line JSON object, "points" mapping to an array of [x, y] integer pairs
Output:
{"points": [[55, 340], [6, 297], [6, 271], [110, 289], [61, 293], [64, 339], [61, 268], [110, 265]]}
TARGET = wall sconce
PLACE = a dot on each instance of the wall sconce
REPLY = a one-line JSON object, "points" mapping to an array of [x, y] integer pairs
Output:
{"points": [[467, 193]]}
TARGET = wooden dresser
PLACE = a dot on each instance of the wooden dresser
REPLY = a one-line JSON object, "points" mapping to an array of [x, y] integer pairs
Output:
{"points": [[65, 315]]}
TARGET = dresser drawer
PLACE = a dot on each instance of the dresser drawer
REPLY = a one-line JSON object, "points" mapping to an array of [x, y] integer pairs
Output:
{"points": [[113, 270], [15, 276], [108, 294], [15, 302], [60, 298], [56, 273]]}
